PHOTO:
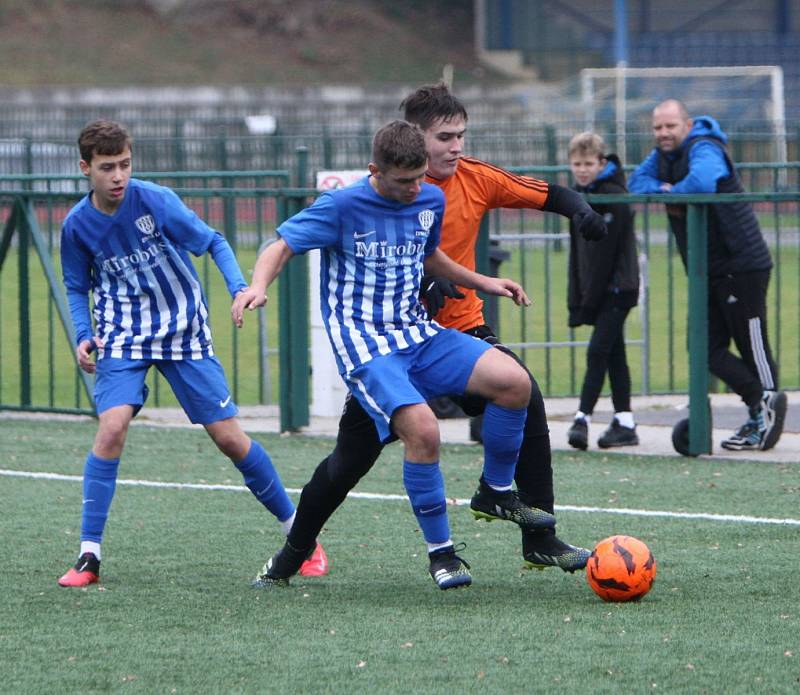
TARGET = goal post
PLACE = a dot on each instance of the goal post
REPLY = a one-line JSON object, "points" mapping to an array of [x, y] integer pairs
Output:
{"points": [[712, 89]]}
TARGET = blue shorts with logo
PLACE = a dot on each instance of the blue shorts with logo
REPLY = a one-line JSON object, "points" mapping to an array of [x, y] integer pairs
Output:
{"points": [[199, 385], [439, 366]]}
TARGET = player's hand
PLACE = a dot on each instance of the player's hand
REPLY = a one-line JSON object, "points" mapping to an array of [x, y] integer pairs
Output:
{"points": [[434, 291], [83, 354], [504, 287], [249, 298], [590, 225]]}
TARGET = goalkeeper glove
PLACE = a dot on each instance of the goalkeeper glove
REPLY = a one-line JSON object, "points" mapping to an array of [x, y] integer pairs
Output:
{"points": [[435, 290], [590, 225]]}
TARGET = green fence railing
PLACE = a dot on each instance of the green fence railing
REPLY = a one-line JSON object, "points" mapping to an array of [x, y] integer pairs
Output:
{"points": [[669, 331], [37, 365], [267, 361]]}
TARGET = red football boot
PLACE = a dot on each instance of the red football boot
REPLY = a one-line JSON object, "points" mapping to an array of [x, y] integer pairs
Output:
{"points": [[316, 565], [85, 572]]}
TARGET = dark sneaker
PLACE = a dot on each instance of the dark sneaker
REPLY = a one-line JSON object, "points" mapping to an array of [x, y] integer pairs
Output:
{"points": [[618, 435], [85, 572], [747, 438], [448, 570], [282, 565], [578, 434], [544, 549], [491, 504], [773, 409]]}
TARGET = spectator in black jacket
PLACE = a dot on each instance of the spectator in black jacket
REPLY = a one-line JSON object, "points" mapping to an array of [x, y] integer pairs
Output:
{"points": [[691, 157], [603, 288]]}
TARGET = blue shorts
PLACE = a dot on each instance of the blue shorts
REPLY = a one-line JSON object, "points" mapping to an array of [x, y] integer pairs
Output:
{"points": [[199, 385], [440, 366]]}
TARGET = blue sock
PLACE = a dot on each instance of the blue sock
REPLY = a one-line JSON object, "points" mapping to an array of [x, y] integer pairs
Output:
{"points": [[425, 488], [99, 483], [264, 482], [502, 437]]}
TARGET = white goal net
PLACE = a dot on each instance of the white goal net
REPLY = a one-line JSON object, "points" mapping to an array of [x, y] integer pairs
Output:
{"points": [[625, 97]]}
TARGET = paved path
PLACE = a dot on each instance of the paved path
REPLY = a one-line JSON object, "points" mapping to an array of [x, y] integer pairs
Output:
{"points": [[655, 416]]}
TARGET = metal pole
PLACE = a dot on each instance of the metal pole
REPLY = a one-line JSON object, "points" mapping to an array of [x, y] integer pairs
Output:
{"points": [[23, 244], [293, 313], [697, 269], [779, 122], [620, 32]]}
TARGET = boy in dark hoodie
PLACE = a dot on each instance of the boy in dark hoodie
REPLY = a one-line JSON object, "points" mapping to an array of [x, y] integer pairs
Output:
{"points": [[603, 288], [690, 156]]}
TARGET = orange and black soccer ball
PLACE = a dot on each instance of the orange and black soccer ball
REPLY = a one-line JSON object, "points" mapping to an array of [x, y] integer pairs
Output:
{"points": [[621, 568]]}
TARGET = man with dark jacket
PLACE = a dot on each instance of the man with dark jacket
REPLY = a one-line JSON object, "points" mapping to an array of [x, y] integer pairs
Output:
{"points": [[691, 157], [603, 288]]}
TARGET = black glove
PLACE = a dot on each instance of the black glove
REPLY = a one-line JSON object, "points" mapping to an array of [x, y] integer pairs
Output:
{"points": [[434, 290], [590, 225]]}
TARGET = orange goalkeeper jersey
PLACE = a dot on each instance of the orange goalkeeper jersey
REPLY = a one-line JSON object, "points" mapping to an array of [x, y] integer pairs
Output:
{"points": [[475, 188]]}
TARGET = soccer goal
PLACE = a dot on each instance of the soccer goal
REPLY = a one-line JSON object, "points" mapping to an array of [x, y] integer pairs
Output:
{"points": [[739, 94]]}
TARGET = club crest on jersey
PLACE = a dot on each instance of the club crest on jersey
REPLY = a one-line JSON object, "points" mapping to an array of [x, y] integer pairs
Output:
{"points": [[426, 219], [146, 224]]}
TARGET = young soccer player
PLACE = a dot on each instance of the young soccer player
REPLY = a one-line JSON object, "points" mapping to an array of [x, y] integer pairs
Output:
{"points": [[471, 187], [376, 236], [603, 287], [128, 243]]}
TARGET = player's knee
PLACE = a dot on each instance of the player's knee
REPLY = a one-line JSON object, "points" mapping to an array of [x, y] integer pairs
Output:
{"points": [[419, 432], [234, 445], [357, 451], [230, 439], [108, 444], [423, 449], [517, 391], [345, 467], [235, 448], [111, 433]]}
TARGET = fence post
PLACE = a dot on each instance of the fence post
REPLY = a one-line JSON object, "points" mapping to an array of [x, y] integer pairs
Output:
{"points": [[551, 144], [23, 244], [697, 268], [293, 316], [327, 148], [178, 145]]}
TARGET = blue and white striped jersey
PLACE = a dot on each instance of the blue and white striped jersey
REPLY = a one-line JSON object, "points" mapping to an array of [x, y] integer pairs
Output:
{"points": [[148, 301], [372, 253]]}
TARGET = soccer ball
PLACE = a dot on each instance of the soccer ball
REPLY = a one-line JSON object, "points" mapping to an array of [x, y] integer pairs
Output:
{"points": [[621, 568]]}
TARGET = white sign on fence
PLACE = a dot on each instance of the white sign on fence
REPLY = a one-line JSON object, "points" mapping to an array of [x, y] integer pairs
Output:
{"points": [[327, 388]]}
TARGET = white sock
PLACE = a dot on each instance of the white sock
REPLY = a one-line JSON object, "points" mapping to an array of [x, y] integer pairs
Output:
{"points": [[90, 547], [583, 416], [287, 525], [625, 418], [501, 488], [438, 546]]}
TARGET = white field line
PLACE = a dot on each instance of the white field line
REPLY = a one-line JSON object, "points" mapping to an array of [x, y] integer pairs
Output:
{"points": [[736, 518]]}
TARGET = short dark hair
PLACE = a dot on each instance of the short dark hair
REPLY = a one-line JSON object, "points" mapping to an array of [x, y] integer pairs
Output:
{"points": [[682, 110], [430, 103], [103, 137], [399, 144]]}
